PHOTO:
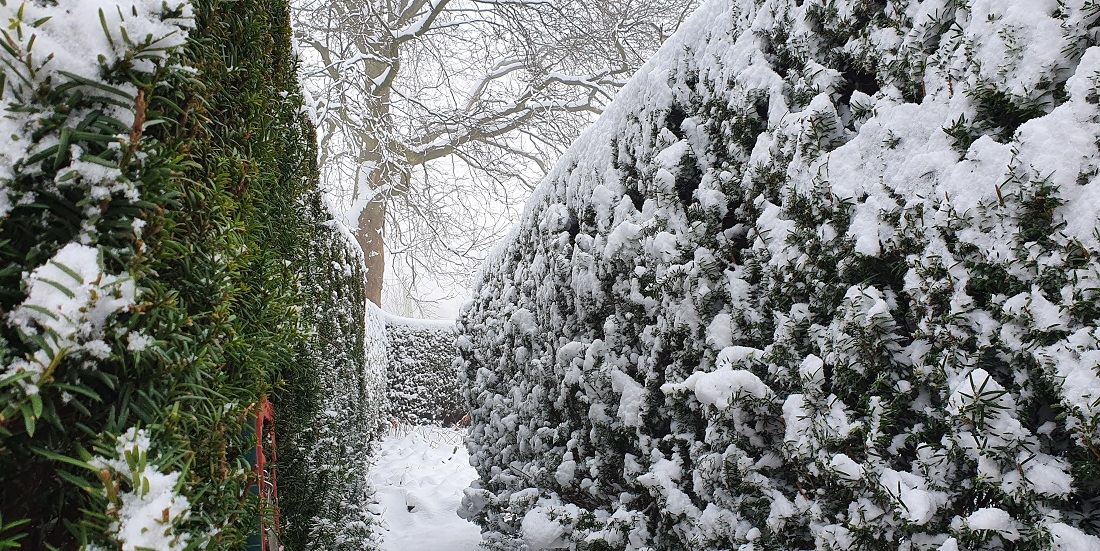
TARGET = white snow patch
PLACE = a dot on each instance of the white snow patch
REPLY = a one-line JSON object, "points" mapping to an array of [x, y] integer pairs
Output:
{"points": [[846, 467], [722, 387], [915, 502], [150, 501], [733, 355], [418, 476], [540, 531], [1068, 538], [631, 400], [69, 300]]}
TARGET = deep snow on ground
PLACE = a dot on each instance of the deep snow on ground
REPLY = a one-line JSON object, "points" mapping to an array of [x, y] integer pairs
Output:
{"points": [[418, 476]]}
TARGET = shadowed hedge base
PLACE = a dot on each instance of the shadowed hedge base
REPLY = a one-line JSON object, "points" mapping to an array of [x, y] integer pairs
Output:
{"points": [[242, 282]]}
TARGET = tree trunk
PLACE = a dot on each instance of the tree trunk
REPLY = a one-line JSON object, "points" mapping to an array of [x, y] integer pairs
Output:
{"points": [[372, 220], [381, 59], [369, 234]]}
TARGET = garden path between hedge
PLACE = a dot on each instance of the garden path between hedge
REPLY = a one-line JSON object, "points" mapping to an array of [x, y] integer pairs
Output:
{"points": [[418, 475]]}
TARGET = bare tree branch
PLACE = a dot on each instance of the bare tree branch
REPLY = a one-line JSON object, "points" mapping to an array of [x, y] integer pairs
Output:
{"points": [[442, 109]]}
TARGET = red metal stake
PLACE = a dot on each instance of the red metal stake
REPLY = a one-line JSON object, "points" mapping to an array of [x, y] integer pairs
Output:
{"points": [[266, 417]]}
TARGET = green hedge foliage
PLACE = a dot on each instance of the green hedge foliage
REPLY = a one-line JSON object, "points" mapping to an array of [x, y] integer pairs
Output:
{"points": [[332, 411], [824, 276], [165, 262]]}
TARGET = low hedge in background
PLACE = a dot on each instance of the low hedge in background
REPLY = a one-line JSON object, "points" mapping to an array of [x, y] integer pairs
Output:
{"points": [[422, 379]]}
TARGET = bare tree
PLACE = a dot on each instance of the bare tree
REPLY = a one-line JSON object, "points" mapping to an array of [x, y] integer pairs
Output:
{"points": [[429, 111]]}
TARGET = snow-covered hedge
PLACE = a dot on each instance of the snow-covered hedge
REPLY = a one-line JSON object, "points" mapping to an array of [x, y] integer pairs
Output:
{"points": [[422, 379], [824, 276], [332, 425], [164, 264]]}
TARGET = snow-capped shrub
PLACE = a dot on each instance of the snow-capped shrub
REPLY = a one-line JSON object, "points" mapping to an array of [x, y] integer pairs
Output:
{"points": [[824, 276], [422, 382], [165, 263]]}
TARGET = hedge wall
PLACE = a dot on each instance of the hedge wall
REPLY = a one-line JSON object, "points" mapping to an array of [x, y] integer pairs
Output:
{"points": [[331, 427], [162, 251], [422, 381], [825, 276]]}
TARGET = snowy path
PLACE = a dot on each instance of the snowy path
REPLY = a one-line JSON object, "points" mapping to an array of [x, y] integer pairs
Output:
{"points": [[418, 476]]}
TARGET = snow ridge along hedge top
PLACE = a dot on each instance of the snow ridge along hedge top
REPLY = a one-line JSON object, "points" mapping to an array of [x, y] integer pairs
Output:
{"points": [[824, 276]]}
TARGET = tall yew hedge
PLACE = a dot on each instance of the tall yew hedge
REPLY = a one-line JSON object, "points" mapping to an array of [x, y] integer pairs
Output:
{"points": [[824, 276]]}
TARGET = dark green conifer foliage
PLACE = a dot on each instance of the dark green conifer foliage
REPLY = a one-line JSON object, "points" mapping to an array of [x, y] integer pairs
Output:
{"points": [[242, 283]]}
